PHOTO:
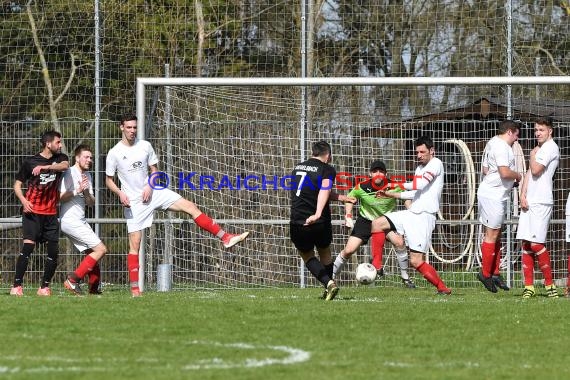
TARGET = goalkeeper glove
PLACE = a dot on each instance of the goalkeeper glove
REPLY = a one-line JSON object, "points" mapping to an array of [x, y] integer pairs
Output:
{"points": [[348, 221]]}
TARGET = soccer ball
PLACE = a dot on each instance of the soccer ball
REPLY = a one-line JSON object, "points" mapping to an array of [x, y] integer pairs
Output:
{"points": [[365, 273]]}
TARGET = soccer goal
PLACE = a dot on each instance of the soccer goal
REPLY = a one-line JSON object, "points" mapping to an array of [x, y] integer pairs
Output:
{"points": [[229, 144]]}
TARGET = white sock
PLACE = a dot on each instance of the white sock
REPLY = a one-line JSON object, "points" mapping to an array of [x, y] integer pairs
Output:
{"points": [[339, 263], [403, 260]]}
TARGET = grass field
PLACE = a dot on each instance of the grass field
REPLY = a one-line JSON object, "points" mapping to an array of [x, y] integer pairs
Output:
{"points": [[366, 333]]}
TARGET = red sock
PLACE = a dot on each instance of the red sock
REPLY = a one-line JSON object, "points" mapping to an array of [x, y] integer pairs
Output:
{"points": [[431, 275], [488, 258], [377, 246], [544, 265], [497, 262], [133, 267], [206, 223], [95, 277], [528, 268], [85, 267]]}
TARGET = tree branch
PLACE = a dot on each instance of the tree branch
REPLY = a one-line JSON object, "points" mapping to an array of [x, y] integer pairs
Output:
{"points": [[45, 71], [69, 80]]}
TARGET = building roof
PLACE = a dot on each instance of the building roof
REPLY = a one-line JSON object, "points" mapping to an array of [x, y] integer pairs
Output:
{"points": [[486, 109], [489, 108]]}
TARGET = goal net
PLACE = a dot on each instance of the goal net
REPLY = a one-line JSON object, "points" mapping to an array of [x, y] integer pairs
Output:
{"points": [[229, 146]]}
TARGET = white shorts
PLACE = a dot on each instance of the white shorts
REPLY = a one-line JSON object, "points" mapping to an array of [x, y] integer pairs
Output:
{"points": [[491, 212], [80, 234], [533, 223], [140, 215], [416, 228]]}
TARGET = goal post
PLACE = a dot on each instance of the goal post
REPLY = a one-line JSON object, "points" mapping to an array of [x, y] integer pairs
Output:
{"points": [[231, 142]]}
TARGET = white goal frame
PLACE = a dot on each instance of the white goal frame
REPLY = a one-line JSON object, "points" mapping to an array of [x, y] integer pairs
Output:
{"points": [[143, 82]]}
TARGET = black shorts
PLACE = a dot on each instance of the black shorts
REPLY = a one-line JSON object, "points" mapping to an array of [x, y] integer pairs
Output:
{"points": [[362, 229], [40, 228], [306, 238]]}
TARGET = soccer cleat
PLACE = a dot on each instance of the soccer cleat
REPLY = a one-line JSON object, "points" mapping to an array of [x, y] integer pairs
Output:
{"points": [[528, 292], [551, 291], [136, 292], [332, 290], [73, 287], [230, 240], [17, 291], [95, 290], [44, 292], [444, 292], [324, 295], [408, 283], [488, 282], [499, 282], [379, 273]]}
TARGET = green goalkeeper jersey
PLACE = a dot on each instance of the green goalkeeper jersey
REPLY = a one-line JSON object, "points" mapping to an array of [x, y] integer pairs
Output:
{"points": [[371, 207]]}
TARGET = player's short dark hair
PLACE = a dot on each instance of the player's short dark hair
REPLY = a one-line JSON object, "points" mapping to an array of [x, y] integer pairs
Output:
{"points": [[424, 140], [545, 120], [48, 136], [508, 125], [128, 117], [321, 148], [81, 148]]}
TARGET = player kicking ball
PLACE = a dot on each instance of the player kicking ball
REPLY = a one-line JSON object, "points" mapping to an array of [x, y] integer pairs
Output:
{"points": [[372, 207], [418, 221]]}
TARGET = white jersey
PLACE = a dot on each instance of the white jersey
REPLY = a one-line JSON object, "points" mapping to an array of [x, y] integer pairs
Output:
{"points": [[497, 153], [131, 164], [426, 187], [539, 190], [74, 208]]}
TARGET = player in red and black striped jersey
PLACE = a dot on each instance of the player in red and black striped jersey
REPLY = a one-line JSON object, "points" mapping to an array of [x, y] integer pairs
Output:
{"points": [[310, 224], [41, 174]]}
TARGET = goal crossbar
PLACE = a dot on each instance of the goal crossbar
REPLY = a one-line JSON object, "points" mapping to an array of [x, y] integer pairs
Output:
{"points": [[142, 82]]}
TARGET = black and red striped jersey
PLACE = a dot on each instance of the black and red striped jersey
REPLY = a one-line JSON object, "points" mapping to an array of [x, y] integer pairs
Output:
{"points": [[43, 189]]}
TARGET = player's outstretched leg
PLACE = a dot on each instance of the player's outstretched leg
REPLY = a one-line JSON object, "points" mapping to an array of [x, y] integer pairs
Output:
{"points": [[403, 263], [339, 263], [206, 223], [377, 240], [430, 274], [229, 240]]}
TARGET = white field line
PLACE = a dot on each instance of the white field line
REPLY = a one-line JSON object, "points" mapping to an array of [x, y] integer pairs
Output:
{"points": [[294, 356]]}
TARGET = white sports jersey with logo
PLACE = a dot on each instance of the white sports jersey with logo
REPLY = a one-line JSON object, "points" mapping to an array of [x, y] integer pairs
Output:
{"points": [[539, 190], [74, 208], [427, 187], [131, 163], [497, 153]]}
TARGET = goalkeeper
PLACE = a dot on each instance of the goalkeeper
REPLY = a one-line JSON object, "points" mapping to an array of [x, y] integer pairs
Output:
{"points": [[371, 208]]}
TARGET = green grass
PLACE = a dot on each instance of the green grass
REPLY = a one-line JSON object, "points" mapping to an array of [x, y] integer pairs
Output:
{"points": [[367, 332]]}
